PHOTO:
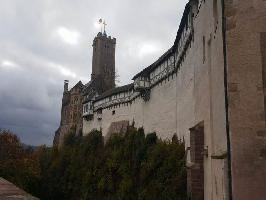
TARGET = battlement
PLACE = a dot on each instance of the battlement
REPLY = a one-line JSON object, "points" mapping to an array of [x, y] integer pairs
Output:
{"points": [[103, 36]]}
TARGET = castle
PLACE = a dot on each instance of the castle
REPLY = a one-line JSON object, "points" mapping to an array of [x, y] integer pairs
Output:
{"points": [[77, 102], [208, 88]]}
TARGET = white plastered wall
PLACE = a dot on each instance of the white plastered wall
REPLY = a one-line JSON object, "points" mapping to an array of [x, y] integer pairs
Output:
{"points": [[192, 95]]}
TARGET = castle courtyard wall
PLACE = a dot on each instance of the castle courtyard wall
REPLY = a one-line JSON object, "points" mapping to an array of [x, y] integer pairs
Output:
{"points": [[194, 94]]}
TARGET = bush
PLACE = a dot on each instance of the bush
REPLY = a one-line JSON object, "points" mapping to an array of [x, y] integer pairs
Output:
{"points": [[130, 166], [18, 164]]}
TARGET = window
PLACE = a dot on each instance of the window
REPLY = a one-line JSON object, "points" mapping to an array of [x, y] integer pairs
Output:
{"points": [[75, 100], [113, 112]]}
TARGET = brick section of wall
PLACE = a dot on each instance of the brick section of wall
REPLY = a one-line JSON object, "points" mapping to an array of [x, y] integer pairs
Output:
{"points": [[196, 172]]}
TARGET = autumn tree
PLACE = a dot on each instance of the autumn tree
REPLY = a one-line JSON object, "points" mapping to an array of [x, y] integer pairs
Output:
{"points": [[18, 163]]}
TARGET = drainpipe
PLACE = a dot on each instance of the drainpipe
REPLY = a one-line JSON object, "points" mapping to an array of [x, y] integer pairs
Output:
{"points": [[226, 103]]}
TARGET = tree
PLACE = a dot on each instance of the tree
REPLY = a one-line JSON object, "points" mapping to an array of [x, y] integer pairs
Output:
{"points": [[18, 164], [129, 166]]}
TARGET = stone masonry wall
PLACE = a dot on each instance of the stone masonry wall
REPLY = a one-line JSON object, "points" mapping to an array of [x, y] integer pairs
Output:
{"points": [[71, 114], [245, 36]]}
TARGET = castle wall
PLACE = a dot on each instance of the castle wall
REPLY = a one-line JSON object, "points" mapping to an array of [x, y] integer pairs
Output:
{"points": [[246, 56], [71, 113], [194, 94]]}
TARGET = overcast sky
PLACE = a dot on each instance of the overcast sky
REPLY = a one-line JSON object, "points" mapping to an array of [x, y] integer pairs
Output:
{"points": [[43, 42]]}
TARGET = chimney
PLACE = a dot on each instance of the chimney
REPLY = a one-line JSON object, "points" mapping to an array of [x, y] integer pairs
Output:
{"points": [[66, 85]]}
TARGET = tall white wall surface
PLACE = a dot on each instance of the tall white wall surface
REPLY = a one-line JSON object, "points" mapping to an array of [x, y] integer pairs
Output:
{"points": [[194, 94]]}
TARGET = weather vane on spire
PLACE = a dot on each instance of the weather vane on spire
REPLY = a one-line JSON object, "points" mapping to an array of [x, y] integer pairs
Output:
{"points": [[103, 25]]}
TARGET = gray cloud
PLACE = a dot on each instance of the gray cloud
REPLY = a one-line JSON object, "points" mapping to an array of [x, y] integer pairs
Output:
{"points": [[35, 59]]}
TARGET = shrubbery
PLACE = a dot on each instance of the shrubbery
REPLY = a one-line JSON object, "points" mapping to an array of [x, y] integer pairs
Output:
{"points": [[18, 163], [130, 166]]}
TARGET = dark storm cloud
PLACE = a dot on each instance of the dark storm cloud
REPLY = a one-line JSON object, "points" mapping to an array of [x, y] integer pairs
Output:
{"points": [[44, 42]]}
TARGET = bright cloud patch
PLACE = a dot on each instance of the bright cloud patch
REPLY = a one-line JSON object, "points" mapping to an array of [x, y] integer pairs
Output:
{"points": [[148, 48], [8, 64], [68, 36], [97, 25], [64, 71]]}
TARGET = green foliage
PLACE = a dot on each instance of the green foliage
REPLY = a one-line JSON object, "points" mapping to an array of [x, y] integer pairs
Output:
{"points": [[130, 166], [18, 163]]}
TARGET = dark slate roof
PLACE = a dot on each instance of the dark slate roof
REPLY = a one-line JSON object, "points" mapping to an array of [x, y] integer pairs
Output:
{"points": [[79, 84], [183, 22], [90, 90], [87, 88], [96, 84], [96, 87], [116, 90], [145, 72], [89, 96], [87, 85]]}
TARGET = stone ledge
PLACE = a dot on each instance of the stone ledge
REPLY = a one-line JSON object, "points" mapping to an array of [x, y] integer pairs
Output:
{"points": [[12, 192]]}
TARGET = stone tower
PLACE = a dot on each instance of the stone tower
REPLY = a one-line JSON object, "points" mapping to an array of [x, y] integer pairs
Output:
{"points": [[71, 113], [103, 61]]}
